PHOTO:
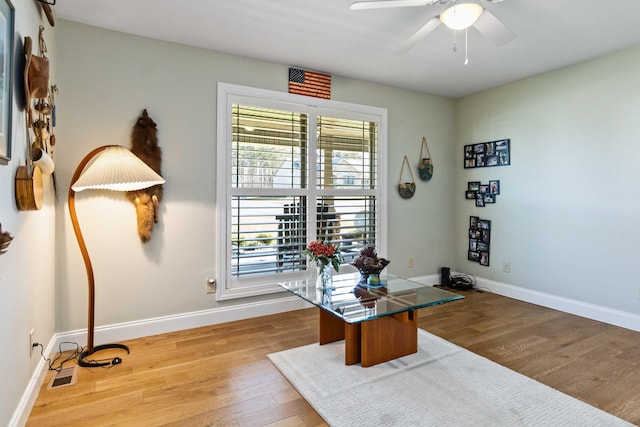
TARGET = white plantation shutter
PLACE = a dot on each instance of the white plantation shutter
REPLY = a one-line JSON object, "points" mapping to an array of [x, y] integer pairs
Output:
{"points": [[293, 173]]}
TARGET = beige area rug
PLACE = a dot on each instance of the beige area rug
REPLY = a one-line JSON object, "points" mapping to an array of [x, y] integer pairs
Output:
{"points": [[441, 385]]}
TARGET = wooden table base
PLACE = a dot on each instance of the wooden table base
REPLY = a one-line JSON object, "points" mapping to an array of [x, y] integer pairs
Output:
{"points": [[374, 341]]}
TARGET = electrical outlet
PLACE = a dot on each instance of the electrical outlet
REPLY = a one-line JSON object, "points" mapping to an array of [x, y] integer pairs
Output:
{"points": [[31, 341], [410, 262], [506, 267], [211, 285]]}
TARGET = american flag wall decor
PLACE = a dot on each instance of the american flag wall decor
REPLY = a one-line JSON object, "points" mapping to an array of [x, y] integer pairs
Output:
{"points": [[303, 82]]}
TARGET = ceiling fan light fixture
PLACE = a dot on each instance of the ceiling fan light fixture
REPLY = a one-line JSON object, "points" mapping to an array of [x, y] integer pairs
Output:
{"points": [[461, 16]]}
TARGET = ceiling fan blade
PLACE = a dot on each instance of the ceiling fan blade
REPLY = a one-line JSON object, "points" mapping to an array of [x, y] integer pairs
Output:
{"points": [[361, 5], [493, 29], [423, 32]]}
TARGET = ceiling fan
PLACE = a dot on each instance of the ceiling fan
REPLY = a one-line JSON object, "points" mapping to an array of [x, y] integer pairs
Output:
{"points": [[457, 16]]}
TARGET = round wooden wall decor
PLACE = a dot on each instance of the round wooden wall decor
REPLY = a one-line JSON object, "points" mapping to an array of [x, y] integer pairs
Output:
{"points": [[29, 190]]}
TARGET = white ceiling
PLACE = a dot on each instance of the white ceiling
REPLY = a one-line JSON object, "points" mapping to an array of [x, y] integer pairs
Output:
{"points": [[326, 36]]}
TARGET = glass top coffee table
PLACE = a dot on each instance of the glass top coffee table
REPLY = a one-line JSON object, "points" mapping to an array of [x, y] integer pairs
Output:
{"points": [[377, 323]]}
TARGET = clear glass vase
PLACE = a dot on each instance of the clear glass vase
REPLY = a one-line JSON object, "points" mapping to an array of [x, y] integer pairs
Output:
{"points": [[324, 279]]}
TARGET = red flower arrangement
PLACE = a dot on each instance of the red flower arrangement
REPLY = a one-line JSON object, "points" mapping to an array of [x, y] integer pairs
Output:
{"points": [[324, 253]]}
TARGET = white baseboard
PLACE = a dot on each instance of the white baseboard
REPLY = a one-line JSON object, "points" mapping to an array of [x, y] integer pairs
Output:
{"points": [[178, 322], [566, 305], [148, 327]]}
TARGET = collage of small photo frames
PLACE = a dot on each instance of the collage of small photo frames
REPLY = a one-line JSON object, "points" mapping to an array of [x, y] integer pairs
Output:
{"points": [[482, 193], [487, 154], [479, 240]]}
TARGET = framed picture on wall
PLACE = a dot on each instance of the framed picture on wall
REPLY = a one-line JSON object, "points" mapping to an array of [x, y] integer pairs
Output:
{"points": [[484, 258], [6, 68], [488, 154], [479, 240], [494, 186], [468, 152], [473, 222], [503, 151], [483, 194]]}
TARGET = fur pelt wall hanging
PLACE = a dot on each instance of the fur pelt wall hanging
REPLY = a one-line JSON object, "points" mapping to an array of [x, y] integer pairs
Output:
{"points": [[144, 144]]}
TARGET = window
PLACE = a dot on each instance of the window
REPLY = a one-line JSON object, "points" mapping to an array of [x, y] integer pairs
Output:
{"points": [[289, 173]]}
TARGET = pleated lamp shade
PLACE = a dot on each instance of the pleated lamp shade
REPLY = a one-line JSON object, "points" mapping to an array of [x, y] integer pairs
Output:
{"points": [[118, 169]]}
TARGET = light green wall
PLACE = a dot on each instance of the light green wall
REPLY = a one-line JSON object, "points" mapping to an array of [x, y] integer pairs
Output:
{"points": [[27, 269], [567, 216], [107, 78]]}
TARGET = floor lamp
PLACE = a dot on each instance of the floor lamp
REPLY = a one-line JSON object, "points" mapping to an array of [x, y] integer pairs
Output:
{"points": [[113, 168]]}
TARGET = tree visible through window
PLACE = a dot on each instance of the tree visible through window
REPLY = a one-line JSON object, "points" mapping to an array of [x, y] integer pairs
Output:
{"points": [[296, 174]]}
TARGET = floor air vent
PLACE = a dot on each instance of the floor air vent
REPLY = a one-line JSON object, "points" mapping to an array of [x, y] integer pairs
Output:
{"points": [[66, 377]]}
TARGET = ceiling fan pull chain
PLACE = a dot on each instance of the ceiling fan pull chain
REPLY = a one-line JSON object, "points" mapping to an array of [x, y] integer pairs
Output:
{"points": [[455, 49], [466, 48]]}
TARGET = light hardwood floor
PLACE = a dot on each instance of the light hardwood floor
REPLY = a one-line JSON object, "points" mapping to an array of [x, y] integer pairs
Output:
{"points": [[220, 376]]}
